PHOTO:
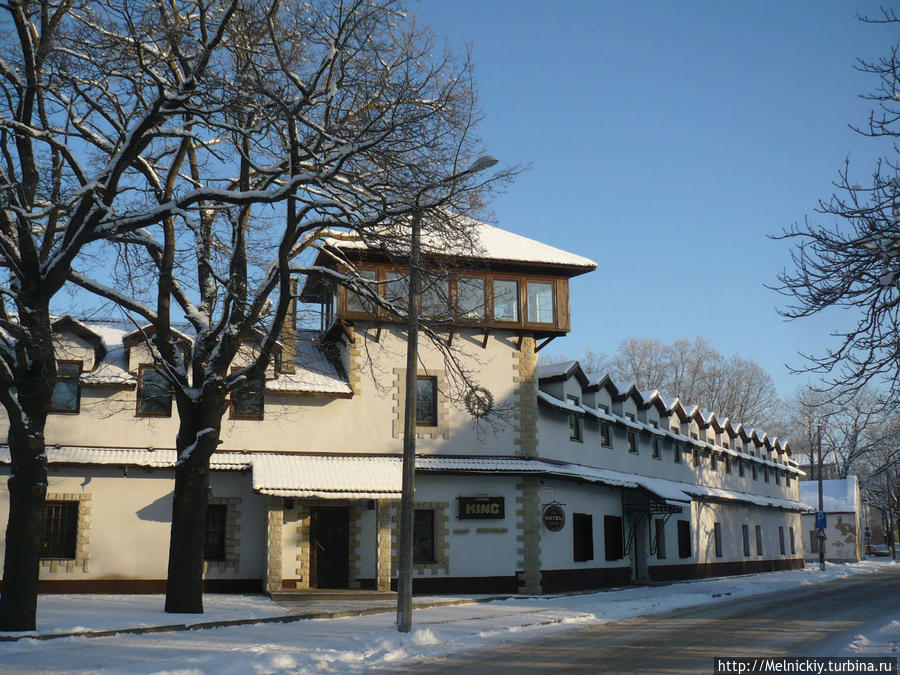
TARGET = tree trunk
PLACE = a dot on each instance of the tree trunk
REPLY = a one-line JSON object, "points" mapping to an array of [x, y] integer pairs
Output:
{"points": [[24, 532], [184, 587]]}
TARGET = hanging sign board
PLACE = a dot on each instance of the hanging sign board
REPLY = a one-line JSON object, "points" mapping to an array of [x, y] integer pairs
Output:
{"points": [[554, 517], [481, 508]]}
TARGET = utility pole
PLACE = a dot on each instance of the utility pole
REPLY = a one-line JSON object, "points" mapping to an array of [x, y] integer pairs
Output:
{"points": [[890, 509], [407, 500], [821, 531]]}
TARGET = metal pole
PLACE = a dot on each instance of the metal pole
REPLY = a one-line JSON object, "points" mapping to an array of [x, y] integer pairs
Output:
{"points": [[890, 504], [821, 532], [405, 552]]}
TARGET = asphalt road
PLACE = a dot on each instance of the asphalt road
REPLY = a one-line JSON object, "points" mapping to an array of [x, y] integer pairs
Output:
{"points": [[810, 621]]}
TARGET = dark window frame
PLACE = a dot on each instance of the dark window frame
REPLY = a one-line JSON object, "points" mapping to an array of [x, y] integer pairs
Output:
{"points": [[684, 538], [60, 540], [781, 545], [582, 537], [574, 419], [140, 386], [424, 537], [613, 538], [605, 436], [792, 540], [243, 394], [660, 528], [745, 534], [433, 412], [632, 443], [759, 541], [655, 451], [216, 535], [65, 380], [717, 538]]}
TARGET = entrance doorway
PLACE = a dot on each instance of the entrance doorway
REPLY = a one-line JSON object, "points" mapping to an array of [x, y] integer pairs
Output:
{"points": [[329, 547]]}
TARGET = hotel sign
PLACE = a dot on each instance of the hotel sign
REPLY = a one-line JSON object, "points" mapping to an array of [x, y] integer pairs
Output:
{"points": [[481, 508]]}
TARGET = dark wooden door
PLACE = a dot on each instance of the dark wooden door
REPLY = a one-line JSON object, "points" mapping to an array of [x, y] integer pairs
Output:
{"points": [[329, 546]]}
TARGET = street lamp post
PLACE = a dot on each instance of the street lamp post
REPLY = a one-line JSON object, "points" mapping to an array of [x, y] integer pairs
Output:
{"points": [[408, 487], [821, 531]]}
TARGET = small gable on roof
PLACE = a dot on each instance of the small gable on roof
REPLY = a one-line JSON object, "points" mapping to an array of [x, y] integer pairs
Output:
{"points": [[558, 372], [138, 351], [74, 341]]}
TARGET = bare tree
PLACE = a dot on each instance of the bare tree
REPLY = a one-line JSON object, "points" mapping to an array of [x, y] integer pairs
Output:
{"points": [[852, 262], [72, 155], [318, 117], [850, 431]]}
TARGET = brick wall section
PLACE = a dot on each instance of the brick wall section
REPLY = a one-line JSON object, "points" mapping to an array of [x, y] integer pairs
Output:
{"points": [[302, 555], [383, 545], [528, 525], [274, 523], [525, 399], [83, 543]]}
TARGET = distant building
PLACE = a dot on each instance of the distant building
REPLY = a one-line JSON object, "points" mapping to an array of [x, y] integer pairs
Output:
{"points": [[841, 502]]}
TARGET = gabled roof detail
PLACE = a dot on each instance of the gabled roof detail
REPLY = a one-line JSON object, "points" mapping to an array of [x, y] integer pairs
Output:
{"points": [[558, 372], [67, 324]]}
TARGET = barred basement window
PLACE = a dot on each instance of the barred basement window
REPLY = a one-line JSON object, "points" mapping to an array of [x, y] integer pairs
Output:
{"points": [[612, 537], [745, 533], [583, 537], [60, 530], [684, 539], [717, 538], [216, 532], [423, 536]]}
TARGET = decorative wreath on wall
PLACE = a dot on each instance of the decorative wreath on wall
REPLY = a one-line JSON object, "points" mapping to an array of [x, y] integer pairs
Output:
{"points": [[479, 401]]}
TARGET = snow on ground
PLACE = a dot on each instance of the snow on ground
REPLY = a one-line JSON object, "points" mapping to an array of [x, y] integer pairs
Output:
{"points": [[362, 643]]}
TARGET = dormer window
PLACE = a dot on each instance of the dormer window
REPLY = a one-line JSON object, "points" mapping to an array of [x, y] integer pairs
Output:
{"points": [[154, 394], [66, 397]]}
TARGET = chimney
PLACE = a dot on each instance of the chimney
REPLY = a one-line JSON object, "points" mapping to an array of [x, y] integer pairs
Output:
{"points": [[289, 333]]}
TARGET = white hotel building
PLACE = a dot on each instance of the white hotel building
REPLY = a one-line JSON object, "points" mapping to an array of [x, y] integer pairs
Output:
{"points": [[585, 484]]}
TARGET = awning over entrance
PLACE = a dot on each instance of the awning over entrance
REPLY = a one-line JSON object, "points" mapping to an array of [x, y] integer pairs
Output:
{"points": [[327, 477]]}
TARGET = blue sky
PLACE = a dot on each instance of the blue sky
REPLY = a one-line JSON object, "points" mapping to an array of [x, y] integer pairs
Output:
{"points": [[666, 141]]}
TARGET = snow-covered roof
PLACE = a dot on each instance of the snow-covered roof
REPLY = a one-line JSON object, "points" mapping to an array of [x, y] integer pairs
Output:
{"points": [[314, 373], [670, 407], [669, 491], [144, 457], [491, 243], [356, 477], [838, 496]]}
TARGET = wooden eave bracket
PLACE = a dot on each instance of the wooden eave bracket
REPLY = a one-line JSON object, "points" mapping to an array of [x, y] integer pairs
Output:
{"points": [[545, 343]]}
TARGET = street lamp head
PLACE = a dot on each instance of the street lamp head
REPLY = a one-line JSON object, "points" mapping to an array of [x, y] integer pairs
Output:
{"points": [[482, 163]]}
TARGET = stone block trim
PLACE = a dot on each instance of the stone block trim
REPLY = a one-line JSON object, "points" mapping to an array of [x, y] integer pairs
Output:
{"points": [[232, 537], [528, 525], [81, 563], [383, 547], [302, 544], [274, 523], [442, 430], [525, 399], [356, 514], [441, 544], [357, 358]]}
